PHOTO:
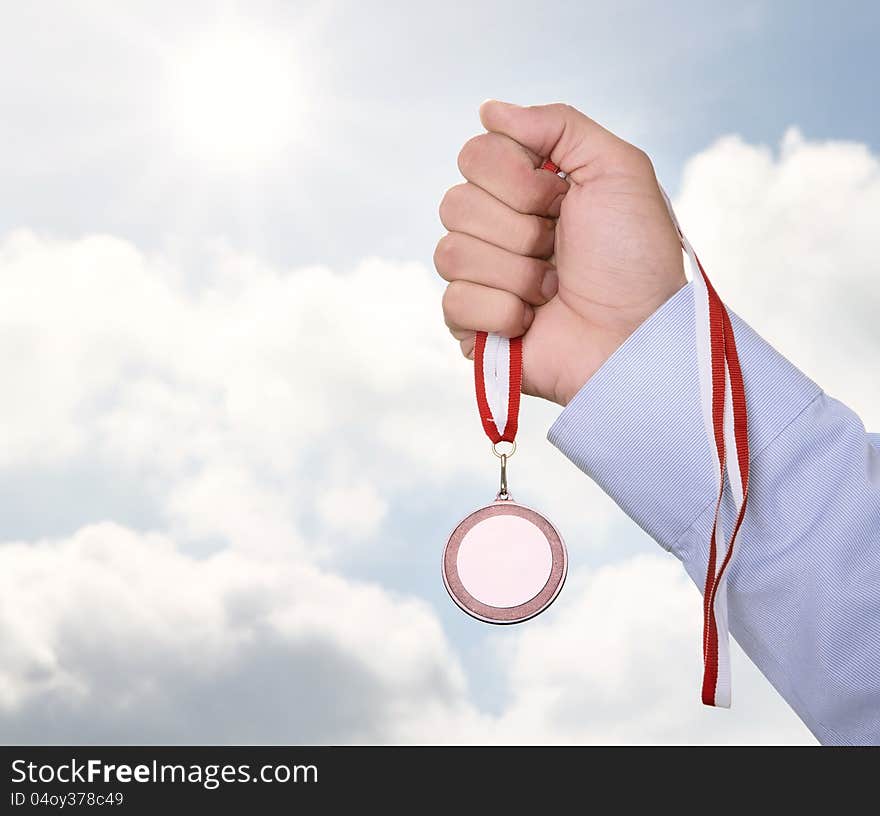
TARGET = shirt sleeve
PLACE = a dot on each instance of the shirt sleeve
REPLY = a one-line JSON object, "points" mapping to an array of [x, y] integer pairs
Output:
{"points": [[804, 587]]}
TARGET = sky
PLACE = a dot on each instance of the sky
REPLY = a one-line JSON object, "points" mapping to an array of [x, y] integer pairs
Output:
{"points": [[235, 433]]}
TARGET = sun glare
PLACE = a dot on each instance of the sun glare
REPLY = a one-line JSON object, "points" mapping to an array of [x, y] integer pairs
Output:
{"points": [[235, 98]]}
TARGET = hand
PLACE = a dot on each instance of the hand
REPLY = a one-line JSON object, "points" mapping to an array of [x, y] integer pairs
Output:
{"points": [[574, 265]]}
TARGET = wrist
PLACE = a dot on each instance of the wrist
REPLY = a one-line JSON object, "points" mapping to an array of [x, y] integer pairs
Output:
{"points": [[581, 365], [599, 342], [637, 429]]}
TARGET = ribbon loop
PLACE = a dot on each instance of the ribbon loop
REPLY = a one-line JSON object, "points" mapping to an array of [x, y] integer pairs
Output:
{"points": [[498, 381], [498, 375]]}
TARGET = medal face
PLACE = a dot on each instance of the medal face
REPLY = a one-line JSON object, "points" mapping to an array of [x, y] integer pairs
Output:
{"points": [[504, 563]]}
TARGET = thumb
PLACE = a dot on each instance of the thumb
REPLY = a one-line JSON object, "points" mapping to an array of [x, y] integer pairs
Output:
{"points": [[560, 132]]}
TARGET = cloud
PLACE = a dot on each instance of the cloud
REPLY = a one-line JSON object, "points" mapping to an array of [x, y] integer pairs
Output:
{"points": [[621, 665], [263, 423], [279, 431], [246, 395], [789, 238], [357, 509], [111, 635], [116, 636], [243, 397]]}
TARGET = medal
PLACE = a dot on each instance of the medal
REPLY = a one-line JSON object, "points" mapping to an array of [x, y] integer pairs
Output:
{"points": [[503, 563], [506, 563]]}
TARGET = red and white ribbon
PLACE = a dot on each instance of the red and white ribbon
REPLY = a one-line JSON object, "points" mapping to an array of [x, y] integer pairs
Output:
{"points": [[723, 400], [498, 381], [498, 376]]}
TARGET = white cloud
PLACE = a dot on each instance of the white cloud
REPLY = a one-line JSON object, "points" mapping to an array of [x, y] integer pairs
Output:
{"points": [[248, 393], [621, 664], [357, 510], [243, 395], [114, 635], [252, 404], [790, 241]]}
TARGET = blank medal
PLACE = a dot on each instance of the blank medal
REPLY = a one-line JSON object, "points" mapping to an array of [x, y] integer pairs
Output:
{"points": [[504, 563]]}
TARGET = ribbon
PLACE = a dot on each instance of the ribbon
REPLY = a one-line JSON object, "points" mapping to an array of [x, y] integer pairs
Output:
{"points": [[723, 402], [498, 376], [498, 380]]}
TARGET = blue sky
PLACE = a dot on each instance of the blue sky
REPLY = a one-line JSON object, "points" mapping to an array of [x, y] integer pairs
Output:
{"points": [[399, 84], [218, 227]]}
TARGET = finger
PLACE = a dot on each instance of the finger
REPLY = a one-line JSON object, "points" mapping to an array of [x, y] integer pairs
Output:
{"points": [[471, 306], [571, 140], [469, 209], [461, 257], [507, 171], [466, 340], [468, 345]]}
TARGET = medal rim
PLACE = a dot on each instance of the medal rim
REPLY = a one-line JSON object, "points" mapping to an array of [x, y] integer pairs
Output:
{"points": [[530, 608]]}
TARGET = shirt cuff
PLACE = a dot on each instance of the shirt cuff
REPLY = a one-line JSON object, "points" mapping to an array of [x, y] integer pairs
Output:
{"points": [[636, 427]]}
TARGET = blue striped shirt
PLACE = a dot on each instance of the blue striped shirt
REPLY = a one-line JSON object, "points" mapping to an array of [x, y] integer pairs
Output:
{"points": [[804, 588]]}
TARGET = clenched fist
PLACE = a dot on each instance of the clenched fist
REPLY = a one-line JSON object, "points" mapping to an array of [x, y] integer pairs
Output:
{"points": [[574, 265]]}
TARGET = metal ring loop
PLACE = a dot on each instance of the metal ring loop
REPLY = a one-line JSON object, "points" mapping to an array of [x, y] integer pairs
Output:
{"points": [[508, 454]]}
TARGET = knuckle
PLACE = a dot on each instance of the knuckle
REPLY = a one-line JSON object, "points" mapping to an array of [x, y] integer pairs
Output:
{"points": [[532, 198], [451, 205], [527, 239], [472, 154], [534, 237], [453, 298], [564, 112], [633, 160], [534, 194], [640, 158], [561, 108], [511, 316], [446, 255]]}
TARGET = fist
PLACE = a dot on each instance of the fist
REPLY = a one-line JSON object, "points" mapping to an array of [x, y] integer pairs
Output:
{"points": [[574, 265]]}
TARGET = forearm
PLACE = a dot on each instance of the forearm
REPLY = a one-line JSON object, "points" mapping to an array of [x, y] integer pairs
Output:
{"points": [[804, 592]]}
